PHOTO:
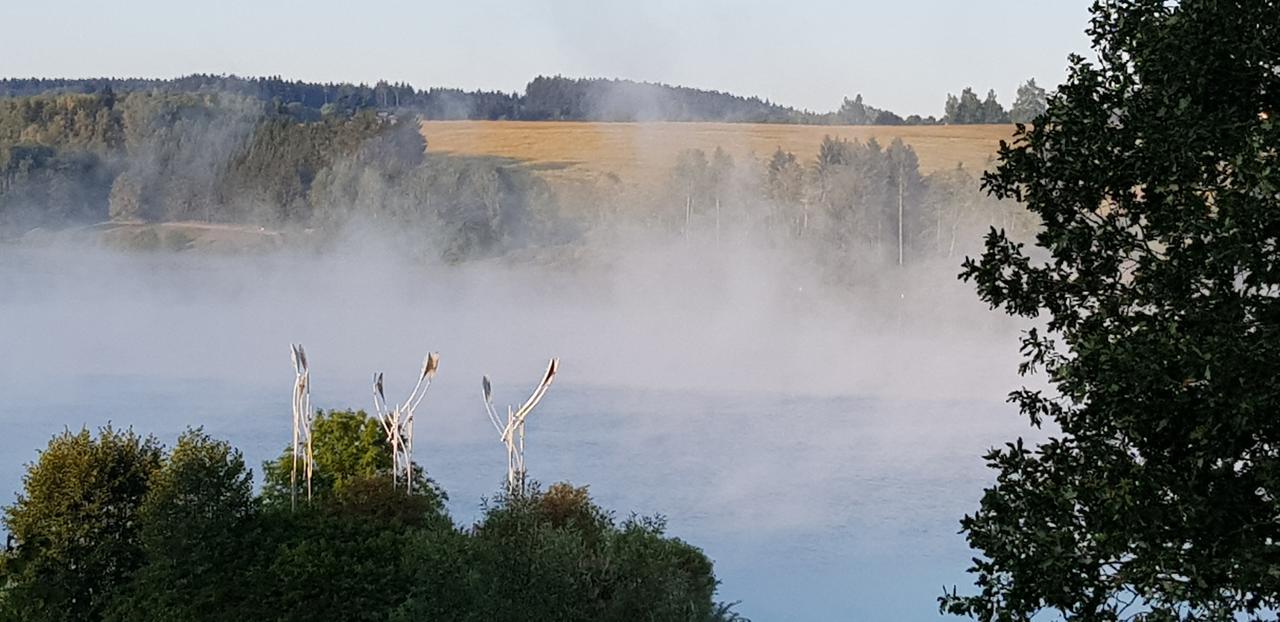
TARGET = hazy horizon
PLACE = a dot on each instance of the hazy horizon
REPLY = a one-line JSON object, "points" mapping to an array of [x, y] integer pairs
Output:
{"points": [[843, 48]]}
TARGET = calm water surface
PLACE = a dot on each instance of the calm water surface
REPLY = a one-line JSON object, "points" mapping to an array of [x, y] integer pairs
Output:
{"points": [[814, 506]]}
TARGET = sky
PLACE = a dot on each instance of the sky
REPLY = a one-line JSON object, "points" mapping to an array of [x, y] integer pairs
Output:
{"points": [[904, 55]]}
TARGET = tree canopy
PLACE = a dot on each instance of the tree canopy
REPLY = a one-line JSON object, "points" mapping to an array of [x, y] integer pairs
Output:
{"points": [[77, 523], [147, 157], [556, 98], [1031, 103], [1155, 284], [113, 527], [967, 109]]}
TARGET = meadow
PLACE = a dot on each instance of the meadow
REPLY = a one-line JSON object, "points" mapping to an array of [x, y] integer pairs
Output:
{"points": [[639, 154]]}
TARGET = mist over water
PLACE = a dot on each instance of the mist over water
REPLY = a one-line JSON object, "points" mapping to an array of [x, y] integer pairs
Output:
{"points": [[819, 443]]}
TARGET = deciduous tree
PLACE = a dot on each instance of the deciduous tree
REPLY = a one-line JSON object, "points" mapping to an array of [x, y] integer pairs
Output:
{"points": [[77, 525], [1157, 284]]}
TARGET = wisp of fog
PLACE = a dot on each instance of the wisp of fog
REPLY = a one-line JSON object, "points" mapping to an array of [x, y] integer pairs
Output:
{"points": [[783, 424]]}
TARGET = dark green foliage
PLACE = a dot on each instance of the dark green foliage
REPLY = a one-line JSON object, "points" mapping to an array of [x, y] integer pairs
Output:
{"points": [[443, 570], [194, 520], [967, 109], [369, 498], [916, 119], [111, 528], [555, 555], [223, 157], [1154, 171], [54, 161], [79, 122], [854, 112], [77, 525], [304, 99], [557, 97], [351, 554], [886, 117], [531, 558], [329, 566], [656, 577], [596, 99]]}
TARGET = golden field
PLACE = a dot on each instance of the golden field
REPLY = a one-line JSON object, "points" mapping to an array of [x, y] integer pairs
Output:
{"points": [[643, 153]]}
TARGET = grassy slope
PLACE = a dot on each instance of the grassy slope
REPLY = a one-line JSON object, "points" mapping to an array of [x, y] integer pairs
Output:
{"points": [[643, 153]]}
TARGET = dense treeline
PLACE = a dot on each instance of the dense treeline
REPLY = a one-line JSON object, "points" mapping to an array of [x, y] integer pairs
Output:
{"points": [[965, 109], [566, 99], [148, 157], [116, 527], [435, 103], [545, 98], [224, 158]]}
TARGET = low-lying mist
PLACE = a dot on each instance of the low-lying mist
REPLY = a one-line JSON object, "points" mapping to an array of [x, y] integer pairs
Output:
{"points": [[667, 316], [829, 434], [740, 349]]}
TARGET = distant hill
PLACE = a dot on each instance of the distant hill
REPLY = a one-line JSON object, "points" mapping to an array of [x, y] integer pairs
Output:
{"points": [[545, 98], [595, 99]]}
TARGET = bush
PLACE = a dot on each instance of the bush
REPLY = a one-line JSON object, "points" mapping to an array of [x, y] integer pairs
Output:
{"points": [[76, 524], [112, 528]]}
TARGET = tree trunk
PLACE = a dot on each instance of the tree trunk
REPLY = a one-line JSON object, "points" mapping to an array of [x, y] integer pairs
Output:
{"points": [[688, 213], [937, 230], [899, 214], [717, 221]]}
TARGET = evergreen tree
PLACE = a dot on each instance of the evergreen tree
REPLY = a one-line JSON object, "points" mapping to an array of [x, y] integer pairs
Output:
{"points": [[1032, 102], [992, 111], [965, 109]]}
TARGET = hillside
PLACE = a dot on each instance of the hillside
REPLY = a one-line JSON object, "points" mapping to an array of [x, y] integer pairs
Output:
{"points": [[554, 98], [220, 171], [640, 154]]}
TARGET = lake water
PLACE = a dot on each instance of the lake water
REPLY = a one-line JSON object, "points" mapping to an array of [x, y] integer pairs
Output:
{"points": [[814, 503]]}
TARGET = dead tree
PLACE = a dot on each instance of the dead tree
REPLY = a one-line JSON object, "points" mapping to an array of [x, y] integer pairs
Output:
{"points": [[397, 420], [512, 432], [302, 417]]}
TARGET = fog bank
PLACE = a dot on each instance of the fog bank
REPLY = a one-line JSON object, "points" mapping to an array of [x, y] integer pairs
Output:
{"points": [[668, 317]]}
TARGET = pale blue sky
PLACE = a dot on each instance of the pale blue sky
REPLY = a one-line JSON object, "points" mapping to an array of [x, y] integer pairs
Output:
{"points": [[901, 54]]}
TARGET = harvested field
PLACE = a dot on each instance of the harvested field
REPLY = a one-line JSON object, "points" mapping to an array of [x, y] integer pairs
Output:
{"points": [[643, 153]]}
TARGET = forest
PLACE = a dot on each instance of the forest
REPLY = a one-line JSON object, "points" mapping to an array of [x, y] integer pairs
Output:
{"points": [[115, 526], [856, 205], [545, 98], [222, 158], [154, 157]]}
